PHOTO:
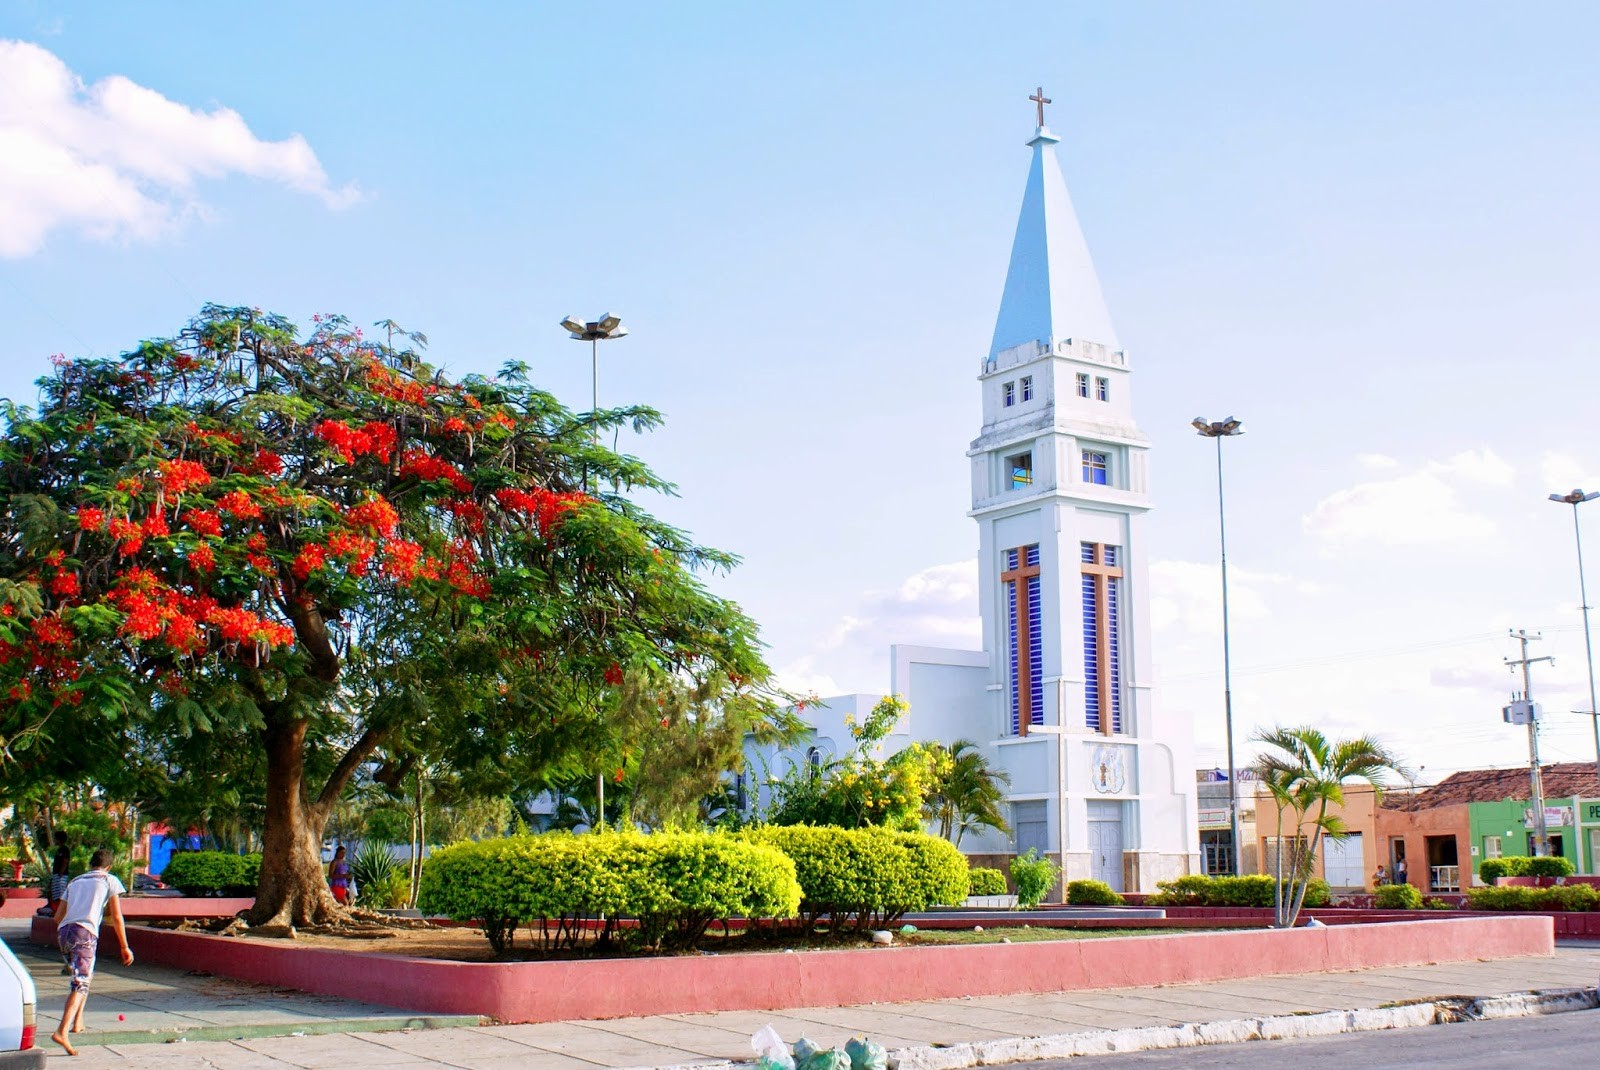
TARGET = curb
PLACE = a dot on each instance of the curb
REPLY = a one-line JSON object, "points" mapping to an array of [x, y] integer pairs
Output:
{"points": [[1276, 1027]]}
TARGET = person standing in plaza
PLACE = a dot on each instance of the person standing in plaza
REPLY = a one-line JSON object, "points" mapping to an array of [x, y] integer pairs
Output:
{"points": [[339, 877], [89, 899]]}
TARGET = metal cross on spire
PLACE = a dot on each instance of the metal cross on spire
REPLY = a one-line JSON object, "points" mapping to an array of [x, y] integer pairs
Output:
{"points": [[1041, 100]]}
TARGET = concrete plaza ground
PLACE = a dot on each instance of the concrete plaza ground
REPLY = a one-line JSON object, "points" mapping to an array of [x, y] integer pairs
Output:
{"points": [[239, 1027]]}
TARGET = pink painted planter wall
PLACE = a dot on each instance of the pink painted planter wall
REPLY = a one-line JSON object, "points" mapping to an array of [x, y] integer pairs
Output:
{"points": [[610, 988], [1567, 923], [143, 907]]}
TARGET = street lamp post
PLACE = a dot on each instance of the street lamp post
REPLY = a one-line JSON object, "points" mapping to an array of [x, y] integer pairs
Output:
{"points": [[1219, 430], [604, 329], [1576, 498]]}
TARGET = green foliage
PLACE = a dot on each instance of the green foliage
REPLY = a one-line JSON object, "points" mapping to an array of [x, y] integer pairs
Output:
{"points": [[1093, 894], [1560, 897], [1551, 866], [245, 540], [966, 792], [984, 881], [381, 880], [673, 884], [867, 878], [1247, 890], [1034, 877], [1397, 897], [1304, 772], [862, 790], [212, 873], [1491, 869], [1435, 903]]}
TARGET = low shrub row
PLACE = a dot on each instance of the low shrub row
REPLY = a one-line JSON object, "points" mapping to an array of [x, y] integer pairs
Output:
{"points": [[673, 884], [1561, 897], [866, 878], [1093, 894], [1397, 897], [212, 873], [1251, 890], [984, 881], [1490, 869]]}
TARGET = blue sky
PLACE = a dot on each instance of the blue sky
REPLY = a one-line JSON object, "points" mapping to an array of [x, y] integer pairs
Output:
{"points": [[1367, 232]]}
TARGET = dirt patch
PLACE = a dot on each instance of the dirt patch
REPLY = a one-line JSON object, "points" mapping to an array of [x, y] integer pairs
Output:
{"points": [[464, 944]]}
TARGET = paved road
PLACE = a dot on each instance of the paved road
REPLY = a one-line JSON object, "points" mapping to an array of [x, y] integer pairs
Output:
{"points": [[1553, 1040]]}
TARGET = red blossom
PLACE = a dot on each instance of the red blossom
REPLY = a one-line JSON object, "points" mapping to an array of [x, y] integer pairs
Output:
{"points": [[401, 559], [180, 476], [155, 524], [202, 522], [454, 426], [91, 518], [240, 504], [55, 557], [52, 631], [203, 558], [266, 463], [418, 463], [64, 585], [613, 675], [129, 535], [375, 514], [310, 559]]}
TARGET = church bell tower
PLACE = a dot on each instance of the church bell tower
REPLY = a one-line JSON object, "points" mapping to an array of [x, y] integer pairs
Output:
{"points": [[1060, 491]]}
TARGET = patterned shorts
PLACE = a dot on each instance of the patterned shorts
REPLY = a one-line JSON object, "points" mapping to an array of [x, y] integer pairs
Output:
{"points": [[77, 944]]}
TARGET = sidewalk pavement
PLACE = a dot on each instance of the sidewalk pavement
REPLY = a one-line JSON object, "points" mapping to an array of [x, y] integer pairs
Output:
{"points": [[677, 1039]]}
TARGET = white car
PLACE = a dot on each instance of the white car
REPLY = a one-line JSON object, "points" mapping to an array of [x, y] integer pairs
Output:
{"points": [[17, 1003]]}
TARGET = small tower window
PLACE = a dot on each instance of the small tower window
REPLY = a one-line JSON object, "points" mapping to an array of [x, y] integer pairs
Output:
{"points": [[1102, 389], [1096, 467], [1083, 385], [1009, 391], [1027, 388], [1020, 468]]}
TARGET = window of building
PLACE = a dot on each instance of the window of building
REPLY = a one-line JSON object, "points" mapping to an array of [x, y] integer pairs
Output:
{"points": [[1009, 392], [1020, 469], [1100, 567], [1102, 389], [1083, 385], [814, 763], [1491, 847], [1025, 636], [1097, 467], [741, 792], [1027, 388]]}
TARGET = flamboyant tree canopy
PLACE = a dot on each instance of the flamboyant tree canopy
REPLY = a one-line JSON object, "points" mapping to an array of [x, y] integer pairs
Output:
{"points": [[240, 532]]}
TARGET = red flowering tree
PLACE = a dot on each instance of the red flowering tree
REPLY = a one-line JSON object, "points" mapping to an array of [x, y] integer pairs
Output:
{"points": [[327, 549]]}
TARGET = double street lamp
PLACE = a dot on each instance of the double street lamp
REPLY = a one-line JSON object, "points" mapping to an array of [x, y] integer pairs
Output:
{"points": [[1219, 430], [605, 329], [1576, 498]]}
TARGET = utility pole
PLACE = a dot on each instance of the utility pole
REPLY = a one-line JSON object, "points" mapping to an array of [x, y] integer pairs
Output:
{"points": [[1525, 707]]}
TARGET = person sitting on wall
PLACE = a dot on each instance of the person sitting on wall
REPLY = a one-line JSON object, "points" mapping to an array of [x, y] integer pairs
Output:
{"points": [[1380, 878]]}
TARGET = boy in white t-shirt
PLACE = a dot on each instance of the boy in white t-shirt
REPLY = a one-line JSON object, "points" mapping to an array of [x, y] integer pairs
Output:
{"points": [[90, 898]]}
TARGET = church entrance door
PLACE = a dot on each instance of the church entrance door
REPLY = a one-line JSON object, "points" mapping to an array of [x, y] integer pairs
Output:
{"points": [[1105, 843]]}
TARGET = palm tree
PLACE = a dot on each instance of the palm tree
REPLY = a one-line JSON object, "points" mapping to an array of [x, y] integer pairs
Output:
{"points": [[1305, 773], [966, 793]]}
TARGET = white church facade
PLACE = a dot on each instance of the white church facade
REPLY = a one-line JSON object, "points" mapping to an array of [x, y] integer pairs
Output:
{"points": [[1060, 696]]}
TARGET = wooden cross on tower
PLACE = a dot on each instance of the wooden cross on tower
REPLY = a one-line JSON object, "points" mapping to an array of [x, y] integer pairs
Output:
{"points": [[1041, 100]]}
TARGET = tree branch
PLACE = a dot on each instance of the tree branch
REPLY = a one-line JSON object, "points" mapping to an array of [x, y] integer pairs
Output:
{"points": [[359, 752]]}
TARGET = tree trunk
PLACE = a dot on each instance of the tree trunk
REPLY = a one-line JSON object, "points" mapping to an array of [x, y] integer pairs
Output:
{"points": [[293, 888]]}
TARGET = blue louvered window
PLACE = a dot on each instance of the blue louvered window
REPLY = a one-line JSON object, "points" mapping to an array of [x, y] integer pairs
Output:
{"points": [[1024, 637], [1102, 637]]}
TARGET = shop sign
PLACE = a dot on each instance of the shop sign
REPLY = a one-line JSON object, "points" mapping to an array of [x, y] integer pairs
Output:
{"points": [[1214, 819], [1554, 817]]}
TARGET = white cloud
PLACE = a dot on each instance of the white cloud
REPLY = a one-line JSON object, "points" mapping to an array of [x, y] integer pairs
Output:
{"points": [[1376, 462], [1560, 472], [1420, 508], [116, 159], [937, 606]]}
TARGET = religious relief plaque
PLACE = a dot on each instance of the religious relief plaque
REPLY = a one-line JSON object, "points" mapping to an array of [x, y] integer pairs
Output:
{"points": [[1108, 769]]}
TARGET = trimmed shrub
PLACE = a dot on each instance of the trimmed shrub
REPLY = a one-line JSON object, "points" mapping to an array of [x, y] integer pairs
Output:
{"points": [[1092, 894], [1034, 877], [1492, 869], [1397, 897], [867, 878], [984, 881], [1249, 890], [1563, 897], [1551, 866], [212, 873], [673, 884]]}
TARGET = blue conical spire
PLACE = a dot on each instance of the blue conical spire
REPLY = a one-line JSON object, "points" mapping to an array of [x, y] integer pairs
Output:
{"points": [[1052, 292]]}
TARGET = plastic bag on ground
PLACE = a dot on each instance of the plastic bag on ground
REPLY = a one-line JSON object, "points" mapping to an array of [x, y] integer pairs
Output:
{"points": [[771, 1052], [865, 1055]]}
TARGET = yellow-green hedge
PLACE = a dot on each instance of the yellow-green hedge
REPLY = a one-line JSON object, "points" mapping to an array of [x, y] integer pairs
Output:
{"points": [[868, 877], [673, 884]]}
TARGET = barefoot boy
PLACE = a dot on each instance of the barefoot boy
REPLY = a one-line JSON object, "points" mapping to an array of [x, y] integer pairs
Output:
{"points": [[90, 898]]}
